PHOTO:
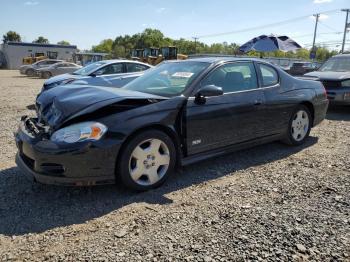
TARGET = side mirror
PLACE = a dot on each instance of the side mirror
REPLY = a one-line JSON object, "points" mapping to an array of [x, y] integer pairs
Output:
{"points": [[209, 90], [97, 73]]}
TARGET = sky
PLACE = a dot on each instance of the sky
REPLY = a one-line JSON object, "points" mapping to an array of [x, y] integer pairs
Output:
{"points": [[87, 22]]}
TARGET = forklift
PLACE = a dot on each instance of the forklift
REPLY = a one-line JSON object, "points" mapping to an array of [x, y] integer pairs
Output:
{"points": [[154, 56], [171, 53]]}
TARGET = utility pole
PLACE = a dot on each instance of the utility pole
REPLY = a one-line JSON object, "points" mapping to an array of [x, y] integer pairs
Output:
{"points": [[345, 28], [313, 50], [195, 44]]}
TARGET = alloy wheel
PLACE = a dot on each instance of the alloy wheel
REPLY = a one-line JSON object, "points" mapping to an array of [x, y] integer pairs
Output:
{"points": [[149, 162], [300, 125]]}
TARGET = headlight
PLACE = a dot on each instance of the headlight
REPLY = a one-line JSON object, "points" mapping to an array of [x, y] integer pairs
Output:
{"points": [[63, 82], [86, 131], [54, 84], [345, 83], [67, 81]]}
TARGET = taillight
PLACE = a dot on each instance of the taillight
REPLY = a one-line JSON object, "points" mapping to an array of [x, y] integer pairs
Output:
{"points": [[324, 91]]}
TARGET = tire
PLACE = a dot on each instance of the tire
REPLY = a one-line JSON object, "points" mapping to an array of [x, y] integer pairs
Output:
{"points": [[151, 156], [30, 72], [299, 126], [45, 75]]}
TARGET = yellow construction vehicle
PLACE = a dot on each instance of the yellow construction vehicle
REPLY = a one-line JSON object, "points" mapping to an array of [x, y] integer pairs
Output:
{"points": [[171, 53], [154, 56], [137, 54], [30, 60]]}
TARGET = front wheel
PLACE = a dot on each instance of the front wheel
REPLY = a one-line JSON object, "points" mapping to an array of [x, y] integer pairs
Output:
{"points": [[147, 160], [299, 126]]}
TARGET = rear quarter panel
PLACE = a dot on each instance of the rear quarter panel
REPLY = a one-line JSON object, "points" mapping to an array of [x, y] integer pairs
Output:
{"points": [[281, 100]]}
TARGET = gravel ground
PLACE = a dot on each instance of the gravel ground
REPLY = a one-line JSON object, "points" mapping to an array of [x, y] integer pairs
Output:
{"points": [[271, 202]]}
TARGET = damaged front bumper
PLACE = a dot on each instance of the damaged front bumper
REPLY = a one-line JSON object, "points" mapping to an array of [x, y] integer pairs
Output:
{"points": [[79, 164], [339, 96]]}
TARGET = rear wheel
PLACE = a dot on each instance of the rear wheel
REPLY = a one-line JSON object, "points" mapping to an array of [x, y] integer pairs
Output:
{"points": [[147, 160], [299, 126], [46, 75], [30, 72]]}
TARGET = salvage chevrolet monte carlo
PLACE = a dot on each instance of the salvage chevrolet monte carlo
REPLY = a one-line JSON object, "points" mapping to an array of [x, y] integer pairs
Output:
{"points": [[177, 113]]}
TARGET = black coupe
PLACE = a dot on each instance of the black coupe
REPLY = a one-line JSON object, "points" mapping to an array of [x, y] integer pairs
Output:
{"points": [[175, 114]]}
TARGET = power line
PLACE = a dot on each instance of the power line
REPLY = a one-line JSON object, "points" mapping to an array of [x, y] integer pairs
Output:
{"points": [[327, 26], [288, 21], [307, 35]]}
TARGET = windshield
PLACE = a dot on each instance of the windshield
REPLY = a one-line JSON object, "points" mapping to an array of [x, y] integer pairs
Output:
{"points": [[336, 64], [168, 79], [86, 70]]}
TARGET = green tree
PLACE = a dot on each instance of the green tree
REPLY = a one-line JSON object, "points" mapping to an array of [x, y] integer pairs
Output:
{"points": [[11, 36], [41, 40], [105, 46], [151, 38], [322, 53], [63, 42], [122, 45]]}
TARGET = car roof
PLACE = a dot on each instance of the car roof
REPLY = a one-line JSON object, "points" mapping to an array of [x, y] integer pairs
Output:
{"points": [[223, 59], [110, 61]]}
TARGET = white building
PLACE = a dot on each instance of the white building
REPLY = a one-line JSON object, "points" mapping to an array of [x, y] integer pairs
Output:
{"points": [[12, 53]]}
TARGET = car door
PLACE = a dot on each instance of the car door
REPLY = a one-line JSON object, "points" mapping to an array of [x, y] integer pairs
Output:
{"points": [[231, 118], [60, 68], [106, 74], [277, 105], [70, 68]]}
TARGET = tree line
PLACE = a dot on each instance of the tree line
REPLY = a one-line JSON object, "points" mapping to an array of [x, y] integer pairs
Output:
{"points": [[122, 45], [12, 36]]}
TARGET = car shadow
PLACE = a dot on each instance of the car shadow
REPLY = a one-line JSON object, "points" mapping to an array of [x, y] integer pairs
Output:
{"points": [[338, 113], [30, 107], [27, 207], [21, 76]]}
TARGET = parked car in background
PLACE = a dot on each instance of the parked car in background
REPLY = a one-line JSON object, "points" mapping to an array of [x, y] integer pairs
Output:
{"points": [[57, 69], [179, 112], [335, 76], [29, 70], [99, 73], [301, 68]]}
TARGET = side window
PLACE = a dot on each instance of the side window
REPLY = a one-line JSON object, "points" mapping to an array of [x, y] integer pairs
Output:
{"points": [[43, 63], [51, 62], [233, 77], [133, 67], [112, 69], [269, 75]]}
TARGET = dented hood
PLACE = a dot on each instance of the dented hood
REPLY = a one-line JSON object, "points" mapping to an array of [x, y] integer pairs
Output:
{"points": [[328, 75], [58, 105]]}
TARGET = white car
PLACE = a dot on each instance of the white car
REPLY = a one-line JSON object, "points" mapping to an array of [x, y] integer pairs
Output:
{"points": [[113, 73]]}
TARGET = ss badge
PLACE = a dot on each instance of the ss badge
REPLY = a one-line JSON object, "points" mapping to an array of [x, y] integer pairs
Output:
{"points": [[196, 142]]}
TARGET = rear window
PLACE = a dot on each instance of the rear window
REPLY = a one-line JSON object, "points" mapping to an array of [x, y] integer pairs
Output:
{"points": [[269, 75]]}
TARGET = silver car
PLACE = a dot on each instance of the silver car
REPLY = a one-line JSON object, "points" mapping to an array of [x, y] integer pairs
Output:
{"points": [[29, 70], [114, 73], [57, 69]]}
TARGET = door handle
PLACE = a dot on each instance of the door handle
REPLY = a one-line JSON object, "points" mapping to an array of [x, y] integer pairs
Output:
{"points": [[257, 102]]}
